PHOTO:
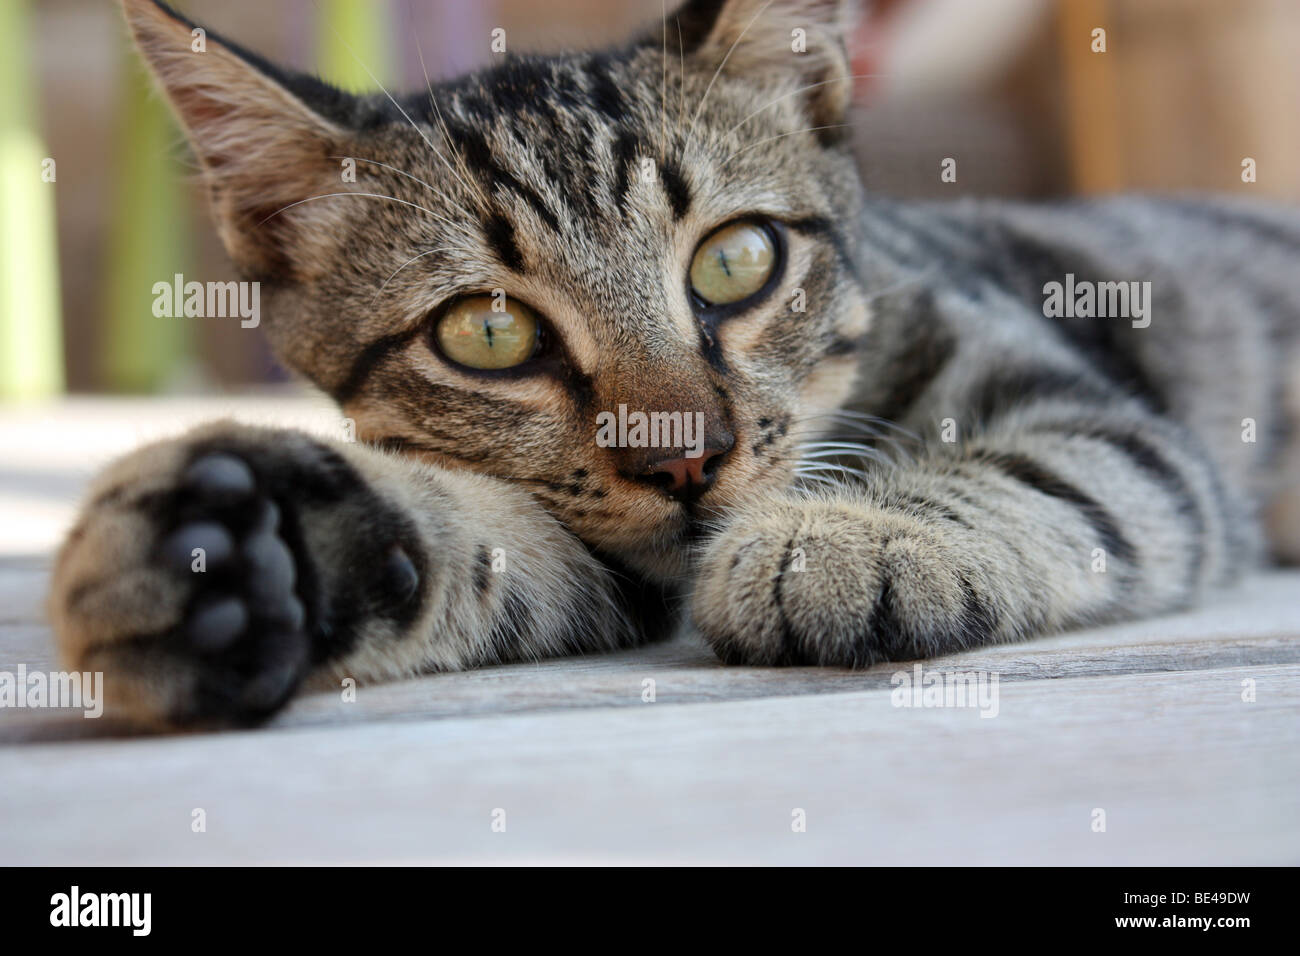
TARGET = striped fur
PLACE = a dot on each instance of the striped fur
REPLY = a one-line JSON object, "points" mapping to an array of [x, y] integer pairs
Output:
{"points": [[923, 460]]}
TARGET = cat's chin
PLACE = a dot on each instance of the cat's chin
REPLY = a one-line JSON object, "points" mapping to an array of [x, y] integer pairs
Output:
{"points": [[665, 555], [669, 563]]}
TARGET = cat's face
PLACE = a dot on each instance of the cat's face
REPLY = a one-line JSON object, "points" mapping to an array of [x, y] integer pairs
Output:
{"points": [[550, 239]]}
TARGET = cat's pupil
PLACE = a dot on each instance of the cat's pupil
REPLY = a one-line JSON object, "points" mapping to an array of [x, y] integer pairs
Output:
{"points": [[481, 332], [733, 263]]}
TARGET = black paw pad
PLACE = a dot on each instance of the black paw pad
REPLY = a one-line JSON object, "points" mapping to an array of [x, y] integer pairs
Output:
{"points": [[269, 572], [214, 623], [402, 578], [221, 475], [246, 623], [278, 665], [205, 540]]}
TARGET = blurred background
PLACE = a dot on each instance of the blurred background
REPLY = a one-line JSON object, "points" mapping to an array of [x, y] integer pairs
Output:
{"points": [[98, 199]]}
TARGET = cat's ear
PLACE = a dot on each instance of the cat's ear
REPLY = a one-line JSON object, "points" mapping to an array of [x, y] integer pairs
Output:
{"points": [[265, 139], [805, 39]]}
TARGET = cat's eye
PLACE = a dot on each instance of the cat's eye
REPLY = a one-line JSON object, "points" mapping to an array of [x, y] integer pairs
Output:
{"points": [[488, 332], [733, 263]]}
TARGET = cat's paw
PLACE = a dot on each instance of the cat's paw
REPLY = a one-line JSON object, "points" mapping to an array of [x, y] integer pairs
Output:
{"points": [[838, 584], [208, 576]]}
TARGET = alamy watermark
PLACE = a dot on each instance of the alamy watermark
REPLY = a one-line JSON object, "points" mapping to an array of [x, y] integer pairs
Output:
{"points": [[208, 300], [1083, 299], [922, 688], [651, 430], [58, 689], [75, 908]]}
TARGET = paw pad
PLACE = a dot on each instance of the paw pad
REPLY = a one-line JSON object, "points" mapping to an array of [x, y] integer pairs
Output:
{"points": [[402, 577], [245, 621]]}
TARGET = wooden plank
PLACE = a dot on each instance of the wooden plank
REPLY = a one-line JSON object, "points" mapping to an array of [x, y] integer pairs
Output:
{"points": [[1186, 772], [1256, 625]]}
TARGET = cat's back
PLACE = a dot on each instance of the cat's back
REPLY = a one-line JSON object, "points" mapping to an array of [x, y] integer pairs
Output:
{"points": [[1208, 329]]}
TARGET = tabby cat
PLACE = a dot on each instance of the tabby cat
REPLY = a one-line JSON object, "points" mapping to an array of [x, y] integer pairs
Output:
{"points": [[900, 450]]}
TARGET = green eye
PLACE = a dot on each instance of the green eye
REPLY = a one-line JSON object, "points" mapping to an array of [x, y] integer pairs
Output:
{"points": [[486, 332], [733, 263]]}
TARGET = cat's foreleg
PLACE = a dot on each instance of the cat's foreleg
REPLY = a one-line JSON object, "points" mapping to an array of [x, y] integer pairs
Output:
{"points": [[207, 577], [1060, 514]]}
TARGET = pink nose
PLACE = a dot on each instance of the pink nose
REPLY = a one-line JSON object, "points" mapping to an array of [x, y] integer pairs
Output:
{"points": [[685, 478]]}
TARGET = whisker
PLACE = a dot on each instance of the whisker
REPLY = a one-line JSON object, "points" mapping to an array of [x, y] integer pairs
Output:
{"points": [[802, 89], [401, 172], [804, 476], [718, 72], [399, 269], [848, 446], [851, 415], [768, 139], [681, 54], [362, 196], [476, 189], [663, 91], [825, 423], [880, 456], [842, 449], [405, 115], [832, 469]]}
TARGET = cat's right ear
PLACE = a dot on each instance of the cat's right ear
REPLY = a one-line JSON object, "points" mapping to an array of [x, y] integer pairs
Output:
{"points": [[266, 139], [803, 40]]}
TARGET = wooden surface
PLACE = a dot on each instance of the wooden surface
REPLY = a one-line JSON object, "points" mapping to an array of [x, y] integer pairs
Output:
{"points": [[1144, 721]]}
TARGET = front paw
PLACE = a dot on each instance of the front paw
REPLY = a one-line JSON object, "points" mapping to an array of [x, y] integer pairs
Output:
{"points": [[208, 577], [839, 584]]}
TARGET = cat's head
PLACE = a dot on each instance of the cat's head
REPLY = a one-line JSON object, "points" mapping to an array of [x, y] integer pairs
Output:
{"points": [[486, 270]]}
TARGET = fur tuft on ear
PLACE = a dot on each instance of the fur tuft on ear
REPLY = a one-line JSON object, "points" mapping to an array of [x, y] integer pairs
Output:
{"points": [[805, 39], [259, 143]]}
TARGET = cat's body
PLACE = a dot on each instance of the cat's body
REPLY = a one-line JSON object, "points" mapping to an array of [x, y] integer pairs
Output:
{"points": [[986, 472]]}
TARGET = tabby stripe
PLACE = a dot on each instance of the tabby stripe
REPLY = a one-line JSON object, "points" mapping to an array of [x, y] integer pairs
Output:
{"points": [[479, 158], [371, 356], [824, 229], [625, 149], [1006, 390], [910, 243], [500, 234], [482, 572], [679, 196], [791, 653], [884, 628], [1233, 219], [514, 619], [1027, 472], [979, 621], [1147, 459], [930, 506], [930, 347], [605, 94], [1024, 265]]}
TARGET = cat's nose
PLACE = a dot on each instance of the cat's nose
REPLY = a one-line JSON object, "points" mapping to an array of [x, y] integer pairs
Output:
{"points": [[682, 478]]}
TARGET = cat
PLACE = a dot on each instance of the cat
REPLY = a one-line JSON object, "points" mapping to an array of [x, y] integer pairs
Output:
{"points": [[900, 448]]}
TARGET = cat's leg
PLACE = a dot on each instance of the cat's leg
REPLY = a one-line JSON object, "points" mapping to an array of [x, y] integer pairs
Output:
{"points": [[1076, 509], [208, 576]]}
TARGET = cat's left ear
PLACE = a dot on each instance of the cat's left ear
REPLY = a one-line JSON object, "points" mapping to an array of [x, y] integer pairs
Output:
{"points": [[805, 39], [268, 140]]}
